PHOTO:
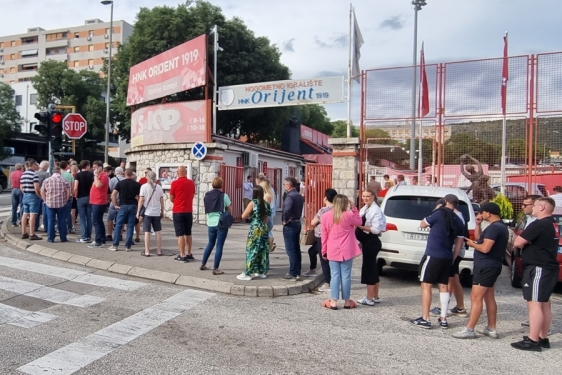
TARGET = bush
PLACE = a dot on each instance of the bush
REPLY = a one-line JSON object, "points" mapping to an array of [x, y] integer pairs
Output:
{"points": [[506, 208]]}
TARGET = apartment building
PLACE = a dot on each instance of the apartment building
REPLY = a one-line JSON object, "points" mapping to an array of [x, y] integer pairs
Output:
{"points": [[81, 47], [402, 131]]}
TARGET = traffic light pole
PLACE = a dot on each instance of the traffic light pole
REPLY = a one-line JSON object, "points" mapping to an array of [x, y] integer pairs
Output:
{"points": [[73, 110]]}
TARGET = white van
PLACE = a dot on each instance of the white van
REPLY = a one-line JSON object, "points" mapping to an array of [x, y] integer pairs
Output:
{"points": [[404, 241]]}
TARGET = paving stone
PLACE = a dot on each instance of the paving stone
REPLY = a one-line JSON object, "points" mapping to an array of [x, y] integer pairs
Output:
{"points": [[166, 277], [280, 290], [251, 291], [79, 259], [294, 289], [119, 268], [99, 264]]}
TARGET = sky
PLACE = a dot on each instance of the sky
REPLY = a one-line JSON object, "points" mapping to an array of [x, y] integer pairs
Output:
{"points": [[313, 34]]}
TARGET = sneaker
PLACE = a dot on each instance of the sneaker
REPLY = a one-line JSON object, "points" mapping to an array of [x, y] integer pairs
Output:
{"points": [[15, 225], [436, 311], [527, 344], [109, 238], [421, 322], [262, 276], [544, 343], [72, 230], [492, 333], [94, 245], [24, 236], [310, 273], [112, 248], [289, 277], [127, 249], [365, 301], [35, 238], [376, 300], [456, 311], [83, 240], [189, 257], [324, 288], [465, 334], [297, 278], [443, 323], [244, 277]]}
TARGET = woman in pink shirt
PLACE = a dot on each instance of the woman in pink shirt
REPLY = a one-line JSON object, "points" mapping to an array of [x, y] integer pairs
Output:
{"points": [[339, 246]]}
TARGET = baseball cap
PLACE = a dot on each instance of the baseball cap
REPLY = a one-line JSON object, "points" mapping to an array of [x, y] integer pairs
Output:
{"points": [[490, 208], [451, 198]]}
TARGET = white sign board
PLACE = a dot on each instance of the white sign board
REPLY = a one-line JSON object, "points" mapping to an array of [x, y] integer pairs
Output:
{"points": [[282, 93]]}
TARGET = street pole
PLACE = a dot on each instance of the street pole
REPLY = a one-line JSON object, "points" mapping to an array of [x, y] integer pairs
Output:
{"points": [[417, 7], [216, 47], [108, 93]]}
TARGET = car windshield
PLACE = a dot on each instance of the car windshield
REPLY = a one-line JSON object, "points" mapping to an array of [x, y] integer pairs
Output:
{"points": [[417, 208]]}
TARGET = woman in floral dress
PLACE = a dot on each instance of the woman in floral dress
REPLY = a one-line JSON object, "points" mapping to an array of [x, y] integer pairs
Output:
{"points": [[257, 245]]}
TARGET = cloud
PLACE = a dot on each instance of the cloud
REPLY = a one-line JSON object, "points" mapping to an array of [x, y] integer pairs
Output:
{"points": [[288, 45], [394, 23], [335, 42]]}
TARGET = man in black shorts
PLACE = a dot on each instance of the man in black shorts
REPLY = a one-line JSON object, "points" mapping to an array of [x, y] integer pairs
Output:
{"points": [[539, 242], [489, 247], [447, 230]]}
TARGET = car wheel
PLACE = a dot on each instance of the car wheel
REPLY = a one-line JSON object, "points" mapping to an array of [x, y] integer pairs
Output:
{"points": [[466, 279], [515, 279]]}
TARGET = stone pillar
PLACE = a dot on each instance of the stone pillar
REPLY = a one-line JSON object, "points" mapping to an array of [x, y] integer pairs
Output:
{"points": [[345, 166], [203, 171]]}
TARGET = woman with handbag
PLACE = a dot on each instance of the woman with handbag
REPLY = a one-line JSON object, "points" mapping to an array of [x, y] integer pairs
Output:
{"points": [[340, 247], [269, 197], [216, 203], [257, 245], [373, 222], [152, 210]]}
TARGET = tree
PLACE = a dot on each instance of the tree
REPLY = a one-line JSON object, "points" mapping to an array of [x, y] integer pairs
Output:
{"points": [[378, 136], [9, 117], [57, 84], [467, 143], [245, 59], [340, 129]]}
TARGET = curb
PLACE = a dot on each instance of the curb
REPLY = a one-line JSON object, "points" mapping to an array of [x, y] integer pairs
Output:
{"points": [[245, 290]]}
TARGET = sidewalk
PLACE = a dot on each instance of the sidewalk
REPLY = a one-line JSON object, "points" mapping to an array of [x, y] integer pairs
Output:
{"points": [[164, 268]]}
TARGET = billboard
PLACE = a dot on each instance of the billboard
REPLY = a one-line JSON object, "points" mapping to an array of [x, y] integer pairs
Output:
{"points": [[178, 69], [282, 93], [171, 123]]}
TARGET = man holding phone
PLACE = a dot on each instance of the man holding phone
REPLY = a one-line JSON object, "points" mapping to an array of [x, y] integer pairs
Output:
{"points": [[98, 200]]}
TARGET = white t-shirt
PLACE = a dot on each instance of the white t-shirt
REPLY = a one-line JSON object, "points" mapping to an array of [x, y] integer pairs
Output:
{"points": [[152, 207]]}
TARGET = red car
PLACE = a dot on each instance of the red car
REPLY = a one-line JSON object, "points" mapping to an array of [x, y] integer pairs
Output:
{"points": [[513, 255]]}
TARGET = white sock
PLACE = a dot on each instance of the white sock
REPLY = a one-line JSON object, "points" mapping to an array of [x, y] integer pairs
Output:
{"points": [[444, 298]]}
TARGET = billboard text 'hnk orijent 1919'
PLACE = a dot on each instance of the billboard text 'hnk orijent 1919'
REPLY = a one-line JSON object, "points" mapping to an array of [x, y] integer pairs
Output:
{"points": [[282, 93], [178, 69]]}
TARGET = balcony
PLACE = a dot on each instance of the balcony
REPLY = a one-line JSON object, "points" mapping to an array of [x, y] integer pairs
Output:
{"points": [[57, 43]]}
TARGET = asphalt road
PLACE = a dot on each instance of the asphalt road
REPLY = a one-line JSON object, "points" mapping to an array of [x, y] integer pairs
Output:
{"points": [[62, 319]]}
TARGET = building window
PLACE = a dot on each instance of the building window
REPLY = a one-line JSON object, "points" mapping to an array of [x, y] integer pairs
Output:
{"points": [[1, 44], [18, 100], [76, 49], [107, 30], [91, 33], [13, 56], [64, 35], [76, 64], [76, 35], [90, 62], [62, 50], [106, 45], [91, 47], [13, 69], [33, 99], [13, 43], [1, 71]]}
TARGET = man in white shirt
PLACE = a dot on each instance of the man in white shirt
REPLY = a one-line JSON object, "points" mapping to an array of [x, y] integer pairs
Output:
{"points": [[557, 196]]}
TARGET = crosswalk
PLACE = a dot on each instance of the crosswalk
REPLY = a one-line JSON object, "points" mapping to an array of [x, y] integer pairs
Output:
{"points": [[17, 280]]}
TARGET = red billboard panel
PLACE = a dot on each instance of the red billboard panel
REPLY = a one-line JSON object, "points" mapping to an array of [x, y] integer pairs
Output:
{"points": [[178, 69], [181, 122]]}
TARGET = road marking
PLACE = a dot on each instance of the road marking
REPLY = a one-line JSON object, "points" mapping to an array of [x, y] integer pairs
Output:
{"points": [[48, 294], [22, 318], [72, 275], [75, 356]]}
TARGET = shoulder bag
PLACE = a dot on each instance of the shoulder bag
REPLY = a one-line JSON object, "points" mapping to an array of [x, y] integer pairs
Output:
{"points": [[308, 238], [143, 208], [225, 220]]}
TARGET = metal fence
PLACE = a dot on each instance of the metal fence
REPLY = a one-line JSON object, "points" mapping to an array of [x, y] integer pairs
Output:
{"points": [[233, 186], [318, 178]]}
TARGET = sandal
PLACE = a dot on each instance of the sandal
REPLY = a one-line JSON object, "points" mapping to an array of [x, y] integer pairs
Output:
{"points": [[217, 272], [144, 254], [203, 267], [159, 254], [352, 305], [327, 304]]}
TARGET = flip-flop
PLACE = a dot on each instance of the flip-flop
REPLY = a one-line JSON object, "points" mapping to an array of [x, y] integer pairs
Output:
{"points": [[215, 272], [145, 255], [352, 305]]}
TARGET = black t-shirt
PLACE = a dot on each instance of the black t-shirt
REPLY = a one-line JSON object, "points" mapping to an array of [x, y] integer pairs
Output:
{"points": [[542, 235], [497, 232], [128, 191], [85, 181]]}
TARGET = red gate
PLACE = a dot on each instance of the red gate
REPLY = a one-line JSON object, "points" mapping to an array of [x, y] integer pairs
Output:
{"points": [[233, 180], [318, 178]]}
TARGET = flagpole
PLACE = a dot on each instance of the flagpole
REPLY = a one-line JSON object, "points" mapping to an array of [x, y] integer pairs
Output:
{"points": [[505, 71], [420, 142], [349, 73]]}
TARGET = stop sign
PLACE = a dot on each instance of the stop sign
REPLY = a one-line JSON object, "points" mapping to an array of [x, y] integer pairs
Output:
{"points": [[74, 125]]}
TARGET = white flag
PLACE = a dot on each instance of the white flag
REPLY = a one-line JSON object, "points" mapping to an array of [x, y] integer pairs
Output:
{"points": [[356, 54]]}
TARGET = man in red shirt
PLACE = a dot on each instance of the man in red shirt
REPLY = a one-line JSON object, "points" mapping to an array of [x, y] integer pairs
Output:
{"points": [[98, 201], [143, 180], [17, 194], [182, 192]]}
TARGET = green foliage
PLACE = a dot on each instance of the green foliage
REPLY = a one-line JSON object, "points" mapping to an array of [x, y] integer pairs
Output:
{"points": [[506, 208], [57, 84], [340, 129], [466, 143], [246, 58], [9, 117]]}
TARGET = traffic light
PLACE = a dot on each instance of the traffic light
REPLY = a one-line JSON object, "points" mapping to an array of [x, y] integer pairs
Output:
{"points": [[43, 126], [55, 126]]}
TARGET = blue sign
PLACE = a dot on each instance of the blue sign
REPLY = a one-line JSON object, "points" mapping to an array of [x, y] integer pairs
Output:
{"points": [[199, 151]]}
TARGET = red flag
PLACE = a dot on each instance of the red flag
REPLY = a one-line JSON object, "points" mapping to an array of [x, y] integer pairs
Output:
{"points": [[423, 107], [505, 75]]}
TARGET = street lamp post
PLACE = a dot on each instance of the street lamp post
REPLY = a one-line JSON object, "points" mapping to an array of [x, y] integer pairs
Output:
{"points": [[108, 93], [418, 4]]}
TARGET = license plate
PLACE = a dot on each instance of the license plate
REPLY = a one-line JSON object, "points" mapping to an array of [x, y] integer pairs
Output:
{"points": [[418, 237]]}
